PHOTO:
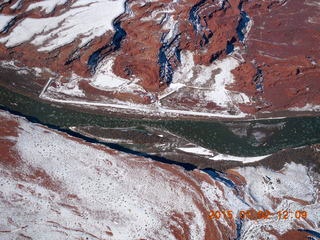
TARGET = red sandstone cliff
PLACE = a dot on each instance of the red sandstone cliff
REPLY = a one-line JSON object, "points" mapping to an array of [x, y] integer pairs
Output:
{"points": [[148, 45]]}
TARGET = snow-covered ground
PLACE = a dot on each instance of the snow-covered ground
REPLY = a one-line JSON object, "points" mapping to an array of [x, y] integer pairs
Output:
{"points": [[65, 188], [4, 20], [280, 191], [308, 107], [197, 150], [226, 157], [71, 88], [105, 79], [213, 78], [220, 157], [84, 21], [16, 5], [85, 191], [46, 5]]}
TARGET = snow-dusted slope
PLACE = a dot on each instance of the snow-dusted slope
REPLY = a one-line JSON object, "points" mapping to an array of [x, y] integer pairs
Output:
{"points": [[292, 189], [83, 22], [54, 186], [62, 188]]}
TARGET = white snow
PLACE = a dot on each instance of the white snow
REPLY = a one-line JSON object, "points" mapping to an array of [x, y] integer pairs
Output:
{"points": [[83, 19], [105, 78], [197, 150], [221, 157], [163, 16], [171, 25], [308, 107], [38, 71], [172, 88], [99, 191], [16, 5], [114, 192], [226, 157], [70, 88], [226, 196], [278, 191], [46, 5], [220, 94], [4, 20], [14, 65], [28, 28], [266, 189], [140, 108], [212, 79], [185, 72]]}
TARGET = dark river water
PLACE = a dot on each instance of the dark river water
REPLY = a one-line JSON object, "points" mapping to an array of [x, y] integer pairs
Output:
{"points": [[236, 138]]}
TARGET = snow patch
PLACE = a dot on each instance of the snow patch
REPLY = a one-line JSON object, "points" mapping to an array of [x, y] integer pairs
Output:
{"points": [[212, 79], [16, 5], [197, 150], [226, 157], [105, 78], [46, 5], [53, 32], [278, 191], [221, 157], [71, 88], [307, 108], [4, 20]]}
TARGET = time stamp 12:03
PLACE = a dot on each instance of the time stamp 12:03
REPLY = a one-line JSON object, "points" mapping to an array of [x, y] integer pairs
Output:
{"points": [[252, 214]]}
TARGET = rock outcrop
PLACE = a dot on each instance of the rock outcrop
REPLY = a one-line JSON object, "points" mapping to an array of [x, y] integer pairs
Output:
{"points": [[137, 51], [282, 47]]}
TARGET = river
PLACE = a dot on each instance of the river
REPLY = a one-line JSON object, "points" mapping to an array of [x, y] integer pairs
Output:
{"points": [[242, 138]]}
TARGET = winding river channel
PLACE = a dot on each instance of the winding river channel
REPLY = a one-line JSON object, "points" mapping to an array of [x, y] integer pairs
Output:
{"points": [[242, 138]]}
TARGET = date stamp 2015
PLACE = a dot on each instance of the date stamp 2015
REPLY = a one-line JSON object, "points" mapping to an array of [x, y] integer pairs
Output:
{"points": [[252, 214]]}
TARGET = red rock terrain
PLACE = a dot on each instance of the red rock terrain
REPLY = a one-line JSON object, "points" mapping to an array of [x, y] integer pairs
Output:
{"points": [[140, 56], [58, 187], [64, 59], [283, 44]]}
